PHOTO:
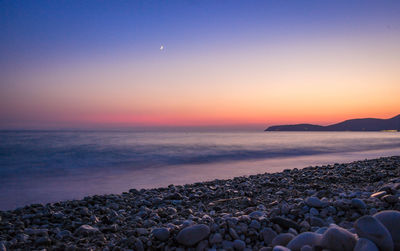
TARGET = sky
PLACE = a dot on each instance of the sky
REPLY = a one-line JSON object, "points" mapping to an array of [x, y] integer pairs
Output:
{"points": [[72, 64]]}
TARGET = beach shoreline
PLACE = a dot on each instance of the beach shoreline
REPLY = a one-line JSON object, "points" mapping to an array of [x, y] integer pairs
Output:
{"points": [[239, 213]]}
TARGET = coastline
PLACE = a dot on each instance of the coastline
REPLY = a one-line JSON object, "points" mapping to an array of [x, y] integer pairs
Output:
{"points": [[239, 213]]}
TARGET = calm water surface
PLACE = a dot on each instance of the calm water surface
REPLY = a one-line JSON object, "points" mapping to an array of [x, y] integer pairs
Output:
{"points": [[47, 166]]}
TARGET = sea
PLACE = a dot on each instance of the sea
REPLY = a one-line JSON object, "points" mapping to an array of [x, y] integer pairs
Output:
{"points": [[50, 166]]}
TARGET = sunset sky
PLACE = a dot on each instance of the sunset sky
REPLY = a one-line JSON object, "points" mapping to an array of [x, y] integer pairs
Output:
{"points": [[71, 64]]}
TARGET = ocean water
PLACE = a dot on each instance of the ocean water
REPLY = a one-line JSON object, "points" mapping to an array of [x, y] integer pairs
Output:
{"points": [[48, 166]]}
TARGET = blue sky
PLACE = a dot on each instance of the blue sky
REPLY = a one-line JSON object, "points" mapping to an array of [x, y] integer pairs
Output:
{"points": [[38, 37]]}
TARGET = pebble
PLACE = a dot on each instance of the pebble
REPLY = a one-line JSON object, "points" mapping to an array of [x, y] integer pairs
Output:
{"points": [[193, 234], [365, 245], [161, 234], [63, 234], [306, 248], [358, 203], [306, 238], [239, 245], [263, 212], [43, 241], [315, 202], [391, 220], [378, 194], [390, 199], [216, 238], [285, 223], [280, 248], [282, 239], [370, 228], [336, 238], [268, 235], [86, 230]]}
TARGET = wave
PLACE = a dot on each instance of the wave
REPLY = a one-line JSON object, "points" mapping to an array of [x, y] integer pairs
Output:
{"points": [[60, 153]]}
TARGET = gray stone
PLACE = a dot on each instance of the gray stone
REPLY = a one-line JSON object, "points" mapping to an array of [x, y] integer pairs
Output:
{"points": [[365, 245], [321, 230], [280, 248], [22, 237], [239, 245], [255, 224], [390, 199], [282, 239], [285, 223], [86, 230], [189, 236], [161, 234], [317, 222], [314, 211], [43, 241], [306, 248], [256, 214], [63, 234], [216, 238], [268, 235], [359, 204], [306, 238], [202, 246], [391, 220], [336, 238], [372, 229], [315, 202], [233, 233], [227, 245], [30, 231]]}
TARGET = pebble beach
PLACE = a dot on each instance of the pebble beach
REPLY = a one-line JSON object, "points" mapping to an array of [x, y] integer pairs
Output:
{"points": [[352, 206]]}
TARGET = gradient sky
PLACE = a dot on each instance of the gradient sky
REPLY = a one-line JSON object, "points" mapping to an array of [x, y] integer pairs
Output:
{"points": [[98, 63]]}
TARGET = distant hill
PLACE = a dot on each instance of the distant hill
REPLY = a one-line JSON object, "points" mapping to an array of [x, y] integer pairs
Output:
{"points": [[368, 124]]}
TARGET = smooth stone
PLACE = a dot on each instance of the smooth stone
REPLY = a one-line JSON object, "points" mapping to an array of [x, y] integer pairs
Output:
{"points": [[317, 222], [189, 236], [255, 224], [216, 238], [378, 194], [161, 234], [256, 214], [282, 239], [306, 248], [202, 245], [233, 233], [391, 220], [268, 235], [365, 245], [227, 245], [63, 234], [321, 230], [239, 245], [358, 203], [285, 223], [390, 199], [43, 241], [280, 248], [86, 230], [372, 229], [306, 238], [30, 231], [315, 202], [336, 238], [314, 211]]}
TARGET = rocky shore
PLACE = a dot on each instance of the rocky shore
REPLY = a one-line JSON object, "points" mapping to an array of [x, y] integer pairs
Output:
{"points": [[352, 206]]}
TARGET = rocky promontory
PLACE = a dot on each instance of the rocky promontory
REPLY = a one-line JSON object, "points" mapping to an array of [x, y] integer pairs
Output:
{"points": [[353, 206]]}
